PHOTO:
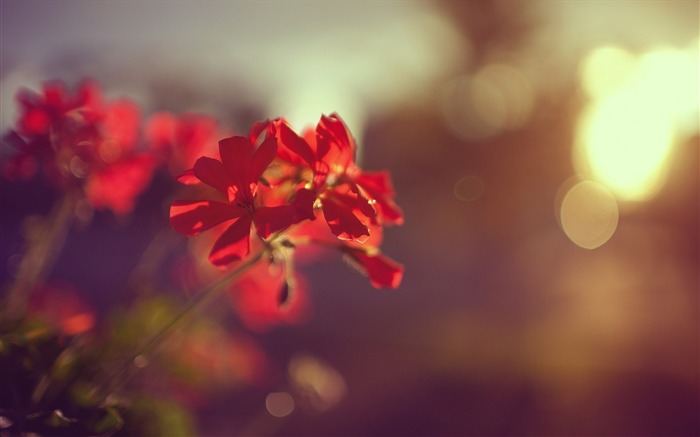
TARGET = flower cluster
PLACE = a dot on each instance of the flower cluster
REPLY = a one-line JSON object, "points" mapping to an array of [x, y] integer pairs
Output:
{"points": [[275, 184], [83, 141], [273, 192], [269, 201], [80, 140]]}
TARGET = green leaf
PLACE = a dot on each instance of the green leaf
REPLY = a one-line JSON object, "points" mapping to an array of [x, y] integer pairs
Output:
{"points": [[110, 422]]}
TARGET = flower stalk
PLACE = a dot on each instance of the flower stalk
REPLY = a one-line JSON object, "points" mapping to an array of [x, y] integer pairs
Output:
{"points": [[197, 302], [44, 242]]}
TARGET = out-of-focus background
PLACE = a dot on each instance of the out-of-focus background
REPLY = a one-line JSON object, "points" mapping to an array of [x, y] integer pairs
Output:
{"points": [[545, 154]]}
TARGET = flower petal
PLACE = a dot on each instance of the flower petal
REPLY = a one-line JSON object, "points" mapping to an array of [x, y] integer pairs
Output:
{"points": [[271, 219], [261, 159], [343, 222], [383, 272], [379, 188], [121, 124], [233, 244], [296, 144], [117, 185], [212, 172], [335, 140], [236, 154], [187, 177], [191, 217], [256, 297], [304, 205], [257, 129]]}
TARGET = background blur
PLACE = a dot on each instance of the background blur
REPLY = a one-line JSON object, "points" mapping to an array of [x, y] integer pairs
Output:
{"points": [[545, 154]]}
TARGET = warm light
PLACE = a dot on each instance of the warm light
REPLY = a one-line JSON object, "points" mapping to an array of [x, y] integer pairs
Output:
{"points": [[303, 107], [469, 188], [589, 214], [321, 384], [502, 96], [78, 323], [279, 404], [639, 108], [626, 145], [497, 98], [605, 69]]}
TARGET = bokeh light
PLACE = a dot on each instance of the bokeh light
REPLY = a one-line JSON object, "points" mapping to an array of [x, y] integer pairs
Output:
{"points": [[639, 108], [605, 69], [496, 98], [321, 386], [279, 404], [469, 188], [589, 214]]}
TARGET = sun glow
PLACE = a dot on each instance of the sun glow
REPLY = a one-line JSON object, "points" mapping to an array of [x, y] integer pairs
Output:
{"points": [[640, 107]]}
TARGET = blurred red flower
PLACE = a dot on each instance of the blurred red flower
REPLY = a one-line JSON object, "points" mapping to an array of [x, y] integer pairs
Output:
{"points": [[81, 141], [180, 140], [62, 308], [268, 295]]}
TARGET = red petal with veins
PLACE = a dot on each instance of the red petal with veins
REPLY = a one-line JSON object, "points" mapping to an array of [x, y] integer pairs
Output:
{"points": [[343, 222], [236, 154], [257, 129], [296, 144], [233, 245], [361, 203], [303, 204], [383, 272], [333, 134], [379, 188], [212, 172], [261, 159], [191, 217], [271, 219]]}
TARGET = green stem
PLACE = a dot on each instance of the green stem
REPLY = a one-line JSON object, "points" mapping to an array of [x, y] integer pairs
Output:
{"points": [[143, 275], [197, 301], [44, 242]]}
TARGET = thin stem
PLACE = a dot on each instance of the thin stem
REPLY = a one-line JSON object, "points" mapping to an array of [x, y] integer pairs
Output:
{"points": [[197, 301], [153, 255], [44, 245]]}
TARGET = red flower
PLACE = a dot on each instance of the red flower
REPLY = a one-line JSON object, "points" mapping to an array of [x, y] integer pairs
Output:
{"points": [[350, 199], [271, 188], [81, 141], [237, 177], [180, 140], [42, 116], [311, 239], [269, 295], [61, 306], [383, 272]]}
